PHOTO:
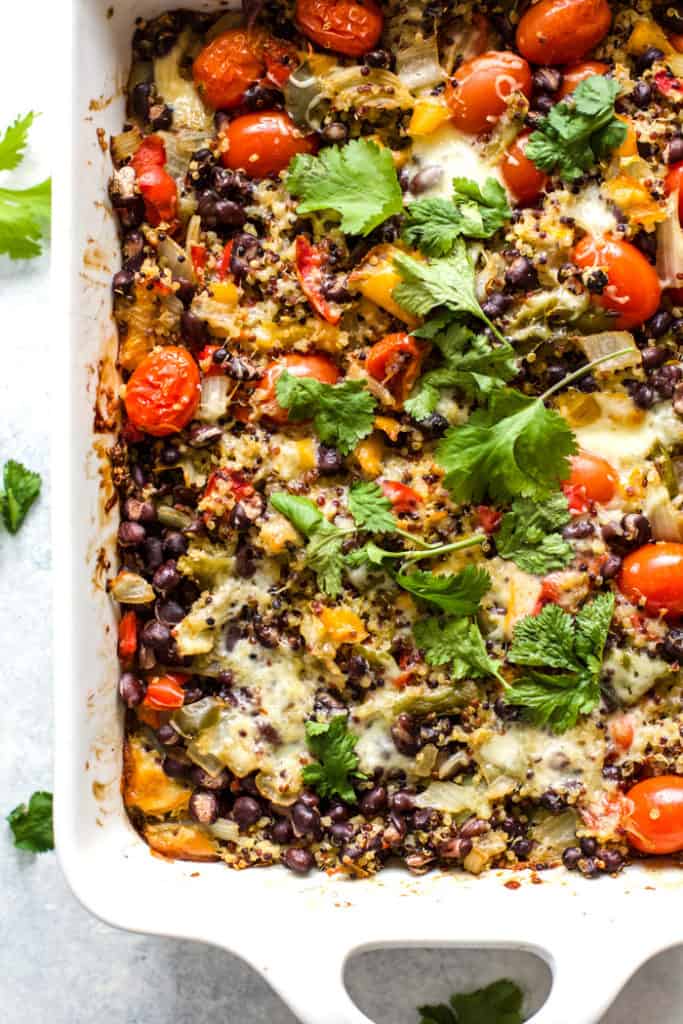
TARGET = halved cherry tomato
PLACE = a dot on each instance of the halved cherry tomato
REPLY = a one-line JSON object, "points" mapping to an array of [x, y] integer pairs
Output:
{"points": [[674, 181], [319, 367], [163, 393], [165, 692], [488, 518], [128, 636], [206, 363], [668, 83], [520, 174], [578, 73], [156, 185], [592, 478], [402, 497], [309, 270], [478, 94], [655, 821], [562, 31], [396, 361], [654, 573], [549, 594], [633, 290], [264, 143], [622, 732], [351, 27], [234, 60]]}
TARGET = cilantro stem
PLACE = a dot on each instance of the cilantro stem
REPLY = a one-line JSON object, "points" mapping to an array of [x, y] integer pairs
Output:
{"points": [[411, 536], [439, 549], [582, 371], [492, 327]]}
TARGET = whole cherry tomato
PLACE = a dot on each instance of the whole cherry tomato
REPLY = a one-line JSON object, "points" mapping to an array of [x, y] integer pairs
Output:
{"points": [[264, 143], [396, 361], [633, 290], [156, 185], [319, 367], [350, 27], [592, 478], [578, 73], [654, 574], [673, 181], [163, 393], [236, 59], [165, 692], [562, 31], [479, 92], [655, 821], [402, 497], [520, 174], [310, 263]]}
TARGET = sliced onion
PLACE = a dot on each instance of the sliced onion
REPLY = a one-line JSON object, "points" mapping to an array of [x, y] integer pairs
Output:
{"points": [[305, 101], [178, 92], [226, 829], [454, 798], [214, 400], [219, 317], [189, 719], [670, 246], [193, 235], [596, 346], [666, 520], [173, 256], [129, 588], [125, 145], [378, 89], [180, 145], [418, 65]]}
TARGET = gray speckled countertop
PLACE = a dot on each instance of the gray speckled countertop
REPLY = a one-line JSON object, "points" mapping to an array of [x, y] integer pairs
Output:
{"points": [[57, 963]]}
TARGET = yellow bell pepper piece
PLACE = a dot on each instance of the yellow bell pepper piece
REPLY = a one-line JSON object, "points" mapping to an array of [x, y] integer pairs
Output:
{"points": [[633, 198], [225, 292], [428, 115], [629, 146], [645, 34], [306, 453], [376, 277], [343, 626], [370, 453]]}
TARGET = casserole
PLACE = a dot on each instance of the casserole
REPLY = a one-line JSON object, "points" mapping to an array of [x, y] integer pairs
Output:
{"points": [[582, 931]]}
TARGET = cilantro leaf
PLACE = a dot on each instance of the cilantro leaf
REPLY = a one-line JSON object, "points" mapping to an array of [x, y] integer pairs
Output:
{"points": [[458, 642], [13, 143], [336, 764], [323, 554], [369, 554], [32, 824], [578, 131], [497, 1003], [342, 414], [457, 594], [574, 645], [516, 447], [526, 534], [475, 211], [491, 201], [22, 487], [24, 212], [303, 514], [447, 282], [358, 181], [370, 509]]}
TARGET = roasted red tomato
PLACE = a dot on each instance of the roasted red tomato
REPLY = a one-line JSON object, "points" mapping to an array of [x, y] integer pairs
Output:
{"points": [[478, 94], [165, 692], [562, 31], [655, 822], [264, 143], [673, 181], [346, 26], [128, 635], [236, 59], [319, 367], [520, 174], [578, 73], [309, 269], [654, 574], [592, 478], [633, 290], [402, 497], [163, 393], [156, 185], [396, 361]]}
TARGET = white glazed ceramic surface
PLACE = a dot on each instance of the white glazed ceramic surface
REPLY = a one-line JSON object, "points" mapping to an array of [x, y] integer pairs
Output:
{"points": [[297, 932]]}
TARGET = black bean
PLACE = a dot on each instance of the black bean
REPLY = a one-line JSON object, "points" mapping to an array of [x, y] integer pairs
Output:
{"points": [[543, 103], [201, 168], [266, 634], [402, 802], [636, 529], [133, 246], [232, 184], [552, 801], [596, 282], [245, 565], [175, 768], [335, 132], [672, 645], [175, 544], [230, 214], [123, 282], [674, 152], [555, 373], [521, 274], [612, 860], [245, 248], [169, 612], [455, 849], [203, 806], [239, 368], [377, 59], [169, 454], [282, 831], [306, 820], [646, 59], [642, 94], [496, 304], [421, 819], [132, 689], [426, 178], [335, 288], [588, 846], [186, 292], [659, 324], [130, 211], [578, 530], [338, 811], [328, 460], [153, 553], [547, 79], [506, 712], [140, 99], [404, 737], [193, 329], [131, 534], [610, 567], [340, 833], [166, 577], [589, 868], [167, 735], [522, 848], [139, 511], [309, 799], [571, 858], [298, 860], [644, 396], [261, 97], [201, 435], [157, 636], [203, 780], [373, 802], [653, 357], [160, 117], [474, 827], [246, 811], [434, 425]]}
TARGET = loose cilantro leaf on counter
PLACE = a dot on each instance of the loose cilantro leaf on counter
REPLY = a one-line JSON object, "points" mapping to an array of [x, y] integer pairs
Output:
{"points": [[458, 642], [572, 646], [324, 549], [370, 509], [336, 764], [578, 131], [514, 448], [342, 414], [434, 225], [527, 538], [32, 824], [358, 181], [497, 1003], [24, 213], [21, 488], [457, 594]]}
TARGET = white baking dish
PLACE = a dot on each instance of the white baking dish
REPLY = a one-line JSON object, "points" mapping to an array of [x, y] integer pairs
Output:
{"points": [[297, 932]]}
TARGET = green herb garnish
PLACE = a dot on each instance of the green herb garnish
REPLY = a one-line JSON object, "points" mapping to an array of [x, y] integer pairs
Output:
{"points": [[370, 509], [457, 642], [32, 824], [527, 534], [343, 414], [434, 225], [323, 552], [24, 212], [455, 593], [336, 763], [497, 1003], [21, 488]]}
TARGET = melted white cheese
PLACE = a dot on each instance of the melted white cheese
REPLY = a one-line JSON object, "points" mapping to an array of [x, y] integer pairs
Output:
{"points": [[591, 212], [450, 149], [625, 444]]}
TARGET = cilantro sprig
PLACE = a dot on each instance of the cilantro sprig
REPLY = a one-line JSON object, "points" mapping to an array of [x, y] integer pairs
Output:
{"points": [[21, 489], [24, 212], [571, 647], [370, 509], [459, 643], [434, 225], [31, 824], [323, 552], [455, 593], [343, 414], [336, 763], [357, 181], [528, 536], [497, 1003], [579, 131]]}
